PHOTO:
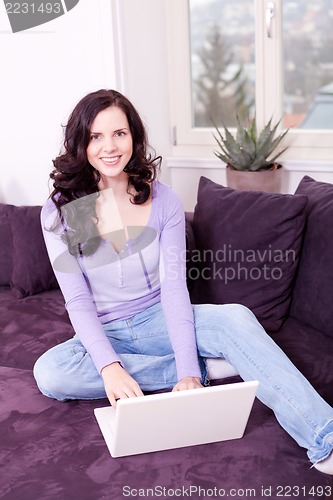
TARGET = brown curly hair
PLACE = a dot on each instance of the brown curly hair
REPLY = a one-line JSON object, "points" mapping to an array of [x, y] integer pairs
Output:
{"points": [[73, 176]]}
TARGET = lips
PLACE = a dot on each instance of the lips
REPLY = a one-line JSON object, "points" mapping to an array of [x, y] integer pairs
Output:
{"points": [[110, 160]]}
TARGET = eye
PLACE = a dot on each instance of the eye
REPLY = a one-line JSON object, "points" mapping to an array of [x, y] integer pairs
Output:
{"points": [[94, 137], [120, 133]]}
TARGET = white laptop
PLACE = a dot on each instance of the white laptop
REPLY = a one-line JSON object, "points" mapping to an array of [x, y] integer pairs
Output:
{"points": [[176, 419]]}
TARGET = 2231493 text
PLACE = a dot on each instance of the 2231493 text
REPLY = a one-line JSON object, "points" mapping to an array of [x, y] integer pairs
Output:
{"points": [[297, 491], [33, 8]]}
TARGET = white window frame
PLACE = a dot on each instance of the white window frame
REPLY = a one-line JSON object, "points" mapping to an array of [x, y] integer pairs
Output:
{"points": [[303, 145]]}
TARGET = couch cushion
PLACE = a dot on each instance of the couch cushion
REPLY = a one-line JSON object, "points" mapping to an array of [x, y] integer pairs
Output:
{"points": [[312, 296], [55, 451], [248, 249], [5, 245], [311, 352], [31, 269], [30, 326]]}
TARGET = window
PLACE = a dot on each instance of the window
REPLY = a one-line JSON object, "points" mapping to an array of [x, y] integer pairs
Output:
{"points": [[308, 64], [268, 58], [222, 55]]}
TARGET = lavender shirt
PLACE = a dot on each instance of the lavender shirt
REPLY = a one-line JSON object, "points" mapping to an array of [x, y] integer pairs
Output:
{"points": [[108, 286]]}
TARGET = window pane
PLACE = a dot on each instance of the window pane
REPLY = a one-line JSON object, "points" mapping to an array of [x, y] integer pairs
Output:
{"points": [[222, 61], [308, 63]]}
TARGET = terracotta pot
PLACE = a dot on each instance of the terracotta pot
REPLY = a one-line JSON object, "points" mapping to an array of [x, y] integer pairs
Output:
{"points": [[266, 180]]}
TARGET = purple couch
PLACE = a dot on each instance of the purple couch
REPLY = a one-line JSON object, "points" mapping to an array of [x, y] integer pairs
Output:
{"points": [[53, 450]]}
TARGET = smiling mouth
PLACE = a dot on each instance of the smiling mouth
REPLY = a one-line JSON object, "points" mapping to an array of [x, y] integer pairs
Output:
{"points": [[110, 161]]}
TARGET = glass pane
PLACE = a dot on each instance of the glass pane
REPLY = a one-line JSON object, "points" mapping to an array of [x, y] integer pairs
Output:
{"points": [[308, 63], [222, 60]]}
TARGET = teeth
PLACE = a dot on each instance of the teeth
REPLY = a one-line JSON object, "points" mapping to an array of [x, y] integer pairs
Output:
{"points": [[111, 160]]}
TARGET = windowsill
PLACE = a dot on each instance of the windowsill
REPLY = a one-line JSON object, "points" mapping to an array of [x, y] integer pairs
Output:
{"points": [[214, 163]]}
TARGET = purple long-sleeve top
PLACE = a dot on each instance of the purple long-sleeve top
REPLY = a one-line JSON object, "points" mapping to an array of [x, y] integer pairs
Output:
{"points": [[108, 285]]}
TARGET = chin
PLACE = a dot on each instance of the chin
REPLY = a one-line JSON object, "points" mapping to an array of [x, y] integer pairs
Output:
{"points": [[112, 176]]}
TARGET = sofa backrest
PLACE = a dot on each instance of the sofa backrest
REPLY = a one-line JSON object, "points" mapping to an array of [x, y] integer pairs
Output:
{"points": [[313, 289], [6, 247]]}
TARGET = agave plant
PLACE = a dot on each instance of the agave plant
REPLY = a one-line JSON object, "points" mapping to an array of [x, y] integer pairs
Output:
{"points": [[248, 151]]}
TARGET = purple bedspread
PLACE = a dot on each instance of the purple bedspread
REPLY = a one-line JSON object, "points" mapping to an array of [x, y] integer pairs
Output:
{"points": [[52, 450]]}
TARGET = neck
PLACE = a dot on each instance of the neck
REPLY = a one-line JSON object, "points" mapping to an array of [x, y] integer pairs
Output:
{"points": [[118, 186]]}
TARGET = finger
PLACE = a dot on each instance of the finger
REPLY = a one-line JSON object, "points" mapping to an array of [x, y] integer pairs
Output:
{"points": [[115, 397], [112, 400], [133, 389], [138, 392], [196, 385], [187, 386], [133, 392]]}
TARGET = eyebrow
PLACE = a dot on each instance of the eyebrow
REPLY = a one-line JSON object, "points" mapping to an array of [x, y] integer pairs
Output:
{"points": [[114, 132], [121, 129]]}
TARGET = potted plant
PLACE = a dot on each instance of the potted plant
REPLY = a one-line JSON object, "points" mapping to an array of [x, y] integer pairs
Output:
{"points": [[248, 157]]}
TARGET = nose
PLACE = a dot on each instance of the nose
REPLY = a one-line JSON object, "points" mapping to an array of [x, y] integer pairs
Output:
{"points": [[109, 145]]}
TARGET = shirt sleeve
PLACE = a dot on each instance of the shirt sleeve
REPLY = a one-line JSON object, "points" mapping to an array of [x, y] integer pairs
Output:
{"points": [[175, 299], [78, 298]]}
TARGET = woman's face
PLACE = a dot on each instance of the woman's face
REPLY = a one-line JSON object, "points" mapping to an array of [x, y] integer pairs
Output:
{"points": [[111, 145]]}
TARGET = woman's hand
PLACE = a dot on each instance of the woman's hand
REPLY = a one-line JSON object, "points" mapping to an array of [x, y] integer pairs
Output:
{"points": [[188, 383], [119, 384]]}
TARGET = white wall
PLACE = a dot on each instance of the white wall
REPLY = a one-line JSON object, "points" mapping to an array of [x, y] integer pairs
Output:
{"points": [[44, 72], [142, 48]]}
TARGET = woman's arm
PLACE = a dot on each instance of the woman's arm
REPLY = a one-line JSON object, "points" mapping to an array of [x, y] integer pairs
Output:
{"points": [[83, 314], [174, 294], [78, 298]]}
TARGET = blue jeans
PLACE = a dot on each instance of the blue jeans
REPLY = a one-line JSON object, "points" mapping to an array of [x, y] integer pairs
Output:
{"points": [[228, 331]]}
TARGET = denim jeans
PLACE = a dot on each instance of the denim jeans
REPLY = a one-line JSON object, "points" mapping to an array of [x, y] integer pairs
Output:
{"points": [[227, 331]]}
